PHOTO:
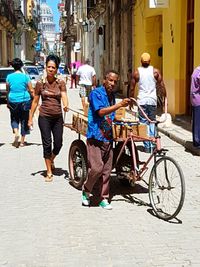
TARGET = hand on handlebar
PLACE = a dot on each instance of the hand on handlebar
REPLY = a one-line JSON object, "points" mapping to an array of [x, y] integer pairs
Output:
{"points": [[125, 102]]}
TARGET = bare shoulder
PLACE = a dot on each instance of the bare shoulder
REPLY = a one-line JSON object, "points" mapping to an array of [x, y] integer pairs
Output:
{"points": [[136, 75]]}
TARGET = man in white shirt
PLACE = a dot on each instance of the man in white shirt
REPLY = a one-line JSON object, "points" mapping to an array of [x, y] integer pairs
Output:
{"points": [[148, 78], [86, 78]]}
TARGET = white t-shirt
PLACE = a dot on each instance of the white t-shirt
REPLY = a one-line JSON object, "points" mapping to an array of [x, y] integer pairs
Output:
{"points": [[85, 73]]}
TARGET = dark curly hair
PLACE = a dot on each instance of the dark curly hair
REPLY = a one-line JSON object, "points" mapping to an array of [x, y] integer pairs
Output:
{"points": [[17, 63], [53, 58]]}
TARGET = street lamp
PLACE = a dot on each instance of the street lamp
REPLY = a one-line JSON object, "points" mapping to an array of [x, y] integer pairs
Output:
{"points": [[85, 26]]}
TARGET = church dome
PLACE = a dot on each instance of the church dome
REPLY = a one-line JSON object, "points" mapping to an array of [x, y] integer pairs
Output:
{"points": [[47, 21], [45, 9]]}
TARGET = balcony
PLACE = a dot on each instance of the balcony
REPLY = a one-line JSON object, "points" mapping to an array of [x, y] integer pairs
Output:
{"points": [[96, 10], [7, 15]]}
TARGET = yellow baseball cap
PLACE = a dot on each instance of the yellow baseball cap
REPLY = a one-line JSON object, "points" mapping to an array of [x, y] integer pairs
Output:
{"points": [[145, 57]]}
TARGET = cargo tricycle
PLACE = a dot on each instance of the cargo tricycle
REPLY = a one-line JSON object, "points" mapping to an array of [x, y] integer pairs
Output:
{"points": [[166, 185]]}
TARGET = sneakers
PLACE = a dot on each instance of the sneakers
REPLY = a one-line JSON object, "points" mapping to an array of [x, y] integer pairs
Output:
{"points": [[105, 205], [85, 199]]}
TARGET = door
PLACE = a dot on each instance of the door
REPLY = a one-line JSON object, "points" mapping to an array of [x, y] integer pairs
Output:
{"points": [[189, 52]]}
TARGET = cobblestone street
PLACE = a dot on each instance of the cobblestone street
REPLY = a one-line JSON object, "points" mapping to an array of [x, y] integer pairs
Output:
{"points": [[44, 225]]}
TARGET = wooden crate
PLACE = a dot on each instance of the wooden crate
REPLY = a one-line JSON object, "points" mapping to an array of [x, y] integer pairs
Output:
{"points": [[84, 126], [125, 115], [80, 123], [124, 130], [120, 113]]}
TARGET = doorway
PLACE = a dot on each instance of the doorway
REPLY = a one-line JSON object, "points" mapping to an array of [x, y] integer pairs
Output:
{"points": [[189, 52]]}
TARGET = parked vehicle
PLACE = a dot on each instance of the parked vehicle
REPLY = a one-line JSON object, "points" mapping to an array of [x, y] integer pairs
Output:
{"points": [[40, 68], [28, 63], [33, 73], [4, 71]]}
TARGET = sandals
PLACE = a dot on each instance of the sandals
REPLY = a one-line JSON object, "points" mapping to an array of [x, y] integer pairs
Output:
{"points": [[16, 141], [22, 144], [49, 178]]}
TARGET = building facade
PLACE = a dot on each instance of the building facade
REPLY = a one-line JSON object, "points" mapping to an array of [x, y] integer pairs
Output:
{"points": [[170, 35], [18, 29], [102, 32], [47, 26]]}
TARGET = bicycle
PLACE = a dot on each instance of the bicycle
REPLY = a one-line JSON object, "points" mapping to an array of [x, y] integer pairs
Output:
{"points": [[166, 184]]}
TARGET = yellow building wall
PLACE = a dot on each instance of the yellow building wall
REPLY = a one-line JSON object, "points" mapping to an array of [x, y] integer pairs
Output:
{"points": [[167, 27], [29, 9]]}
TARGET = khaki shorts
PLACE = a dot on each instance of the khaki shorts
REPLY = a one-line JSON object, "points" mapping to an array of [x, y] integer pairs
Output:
{"points": [[85, 90]]}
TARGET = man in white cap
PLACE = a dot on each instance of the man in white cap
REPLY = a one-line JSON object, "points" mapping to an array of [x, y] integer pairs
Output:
{"points": [[148, 78]]}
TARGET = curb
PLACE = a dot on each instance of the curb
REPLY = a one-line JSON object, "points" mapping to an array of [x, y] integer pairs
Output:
{"points": [[186, 143]]}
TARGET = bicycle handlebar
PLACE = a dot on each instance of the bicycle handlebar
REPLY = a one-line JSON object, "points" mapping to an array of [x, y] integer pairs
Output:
{"points": [[145, 115]]}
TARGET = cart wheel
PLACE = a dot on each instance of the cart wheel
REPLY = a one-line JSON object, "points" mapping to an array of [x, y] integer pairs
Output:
{"points": [[166, 188], [124, 165], [77, 163]]}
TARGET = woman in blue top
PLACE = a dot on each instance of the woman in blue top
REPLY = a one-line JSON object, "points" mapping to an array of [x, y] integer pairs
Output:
{"points": [[19, 91]]}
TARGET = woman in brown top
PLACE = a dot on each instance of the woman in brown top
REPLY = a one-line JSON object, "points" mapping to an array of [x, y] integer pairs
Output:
{"points": [[50, 120]]}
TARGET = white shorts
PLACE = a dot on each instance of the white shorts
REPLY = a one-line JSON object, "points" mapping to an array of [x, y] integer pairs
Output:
{"points": [[84, 90]]}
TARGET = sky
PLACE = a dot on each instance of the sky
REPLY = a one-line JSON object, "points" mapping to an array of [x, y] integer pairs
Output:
{"points": [[56, 15]]}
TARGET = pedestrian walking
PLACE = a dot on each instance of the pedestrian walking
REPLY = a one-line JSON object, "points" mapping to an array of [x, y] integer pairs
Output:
{"points": [[99, 138], [19, 91], [52, 91], [195, 101], [73, 75], [86, 78], [148, 79]]}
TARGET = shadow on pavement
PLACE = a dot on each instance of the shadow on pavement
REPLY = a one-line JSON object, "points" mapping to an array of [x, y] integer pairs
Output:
{"points": [[1, 144], [183, 121], [189, 148], [33, 144], [56, 172], [126, 191]]}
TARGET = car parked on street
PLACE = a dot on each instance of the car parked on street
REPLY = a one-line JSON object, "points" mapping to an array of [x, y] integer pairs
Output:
{"points": [[4, 72], [33, 73], [40, 68]]}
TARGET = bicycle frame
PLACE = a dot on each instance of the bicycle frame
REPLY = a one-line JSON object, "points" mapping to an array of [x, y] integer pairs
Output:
{"points": [[137, 172]]}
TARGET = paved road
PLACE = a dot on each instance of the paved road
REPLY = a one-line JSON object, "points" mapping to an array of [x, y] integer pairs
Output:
{"points": [[44, 225]]}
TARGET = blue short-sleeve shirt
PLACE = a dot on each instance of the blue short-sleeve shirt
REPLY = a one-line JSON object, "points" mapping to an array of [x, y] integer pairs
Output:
{"points": [[100, 128], [18, 83]]}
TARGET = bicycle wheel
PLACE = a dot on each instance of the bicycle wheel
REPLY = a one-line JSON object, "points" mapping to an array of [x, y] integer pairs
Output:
{"points": [[77, 163], [166, 188]]}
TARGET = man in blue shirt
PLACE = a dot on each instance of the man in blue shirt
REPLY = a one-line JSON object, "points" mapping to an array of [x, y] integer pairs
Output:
{"points": [[99, 138]]}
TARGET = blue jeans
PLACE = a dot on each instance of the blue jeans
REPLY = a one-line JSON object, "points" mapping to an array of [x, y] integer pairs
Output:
{"points": [[196, 126], [19, 116], [150, 111]]}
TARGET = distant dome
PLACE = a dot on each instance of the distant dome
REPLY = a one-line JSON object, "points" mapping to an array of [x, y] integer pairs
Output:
{"points": [[45, 9], [47, 25]]}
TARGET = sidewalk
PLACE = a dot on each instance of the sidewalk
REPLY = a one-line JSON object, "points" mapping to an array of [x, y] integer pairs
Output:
{"points": [[181, 132]]}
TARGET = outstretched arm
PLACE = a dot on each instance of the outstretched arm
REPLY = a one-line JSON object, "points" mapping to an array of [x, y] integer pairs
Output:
{"points": [[105, 111]]}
